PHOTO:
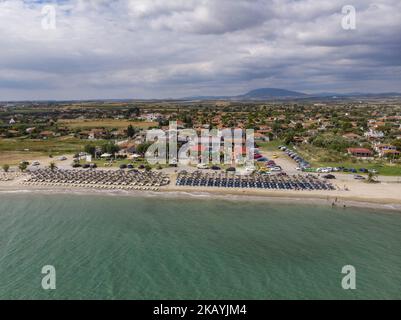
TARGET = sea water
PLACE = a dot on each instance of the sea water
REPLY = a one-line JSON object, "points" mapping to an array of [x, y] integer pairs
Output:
{"points": [[121, 247]]}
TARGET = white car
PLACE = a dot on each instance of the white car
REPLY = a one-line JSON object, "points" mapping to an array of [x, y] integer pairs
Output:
{"points": [[63, 158], [202, 166], [35, 163], [250, 169], [276, 169]]}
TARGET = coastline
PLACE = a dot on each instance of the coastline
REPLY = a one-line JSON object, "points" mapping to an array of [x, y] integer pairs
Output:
{"points": [[341, 199]]}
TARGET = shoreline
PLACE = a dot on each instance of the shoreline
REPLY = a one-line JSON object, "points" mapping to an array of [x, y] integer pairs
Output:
{"points": [[344, 198]]}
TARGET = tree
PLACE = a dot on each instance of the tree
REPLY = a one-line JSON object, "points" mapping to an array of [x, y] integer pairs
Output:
{"points": [[143, 147], [90, 149], [6, 167], [397, 144], [130, 131], [52, 166], [110, 147], [371, 177], [22, 166]]}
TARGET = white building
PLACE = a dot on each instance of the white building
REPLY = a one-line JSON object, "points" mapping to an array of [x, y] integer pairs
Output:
{"points": [[374, 134]]}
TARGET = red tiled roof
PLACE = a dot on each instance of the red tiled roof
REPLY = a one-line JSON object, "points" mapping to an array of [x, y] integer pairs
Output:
{"points": [[359, 150]]}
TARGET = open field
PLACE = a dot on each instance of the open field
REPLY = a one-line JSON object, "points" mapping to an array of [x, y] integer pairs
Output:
{"points": [[14, 157], [269, 146], [107, 123], [319, 158], [54, 146], [12, 151]]}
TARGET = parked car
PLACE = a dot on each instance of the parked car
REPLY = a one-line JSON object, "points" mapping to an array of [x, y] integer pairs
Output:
{"points": [[359, 177], [276, 169], [329, 176], [250, 169], [202, 166]]}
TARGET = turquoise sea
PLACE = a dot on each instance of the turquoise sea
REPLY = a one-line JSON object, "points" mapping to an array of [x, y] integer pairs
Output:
{"points": [[120, 247]]}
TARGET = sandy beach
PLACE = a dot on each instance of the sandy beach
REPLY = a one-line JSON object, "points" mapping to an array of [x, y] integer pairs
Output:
{"points": [[384, 195]]}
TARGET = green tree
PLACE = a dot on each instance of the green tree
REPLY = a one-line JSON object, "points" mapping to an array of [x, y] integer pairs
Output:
{"points": [[90, 149], [371, 177], [143, 147], [130, 131], [6, 167], [52, 166], [22, 166], [110, 147]]}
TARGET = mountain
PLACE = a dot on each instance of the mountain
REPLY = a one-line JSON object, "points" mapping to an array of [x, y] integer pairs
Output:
{"points": [[282, 94], [258, 94], [271, 93]]}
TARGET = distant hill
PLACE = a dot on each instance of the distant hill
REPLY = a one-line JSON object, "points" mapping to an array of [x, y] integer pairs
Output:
{"points": [[271, 93], [258, 94], [282, 94]]}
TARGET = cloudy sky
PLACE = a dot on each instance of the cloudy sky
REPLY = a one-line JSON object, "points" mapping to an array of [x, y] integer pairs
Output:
{"points": [[176, 48]]}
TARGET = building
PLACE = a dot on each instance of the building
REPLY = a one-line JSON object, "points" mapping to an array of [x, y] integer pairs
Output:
{"points": [[391, 154], [386, 150], [372, 134], [95, 134], [47, 134], [351, 136], [360, 152]]}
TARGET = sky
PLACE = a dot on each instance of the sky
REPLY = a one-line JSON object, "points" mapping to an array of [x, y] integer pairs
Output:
{"points": [[104, 49]]}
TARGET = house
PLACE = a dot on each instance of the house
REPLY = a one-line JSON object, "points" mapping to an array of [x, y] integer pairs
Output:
{"points": [[151, 117], [298, 139], [390, 154], [119, 133], [373, 134], [383, 149], [95, 134], [260, 137], [12, 121], [351, 136], [360, 152], [46, 134]]}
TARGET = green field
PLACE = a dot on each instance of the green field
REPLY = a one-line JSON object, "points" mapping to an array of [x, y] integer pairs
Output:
{"points": [[105, 123], [12, 151], [270, 146], [54, 146], [319, 158]]}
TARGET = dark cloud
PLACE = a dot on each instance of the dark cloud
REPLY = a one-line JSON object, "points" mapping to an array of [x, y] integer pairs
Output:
{"points": [[172, 48]]}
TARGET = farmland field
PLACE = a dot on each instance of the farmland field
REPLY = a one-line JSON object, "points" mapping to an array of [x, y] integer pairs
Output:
{"points": [[12, 151], [106, 123]]}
